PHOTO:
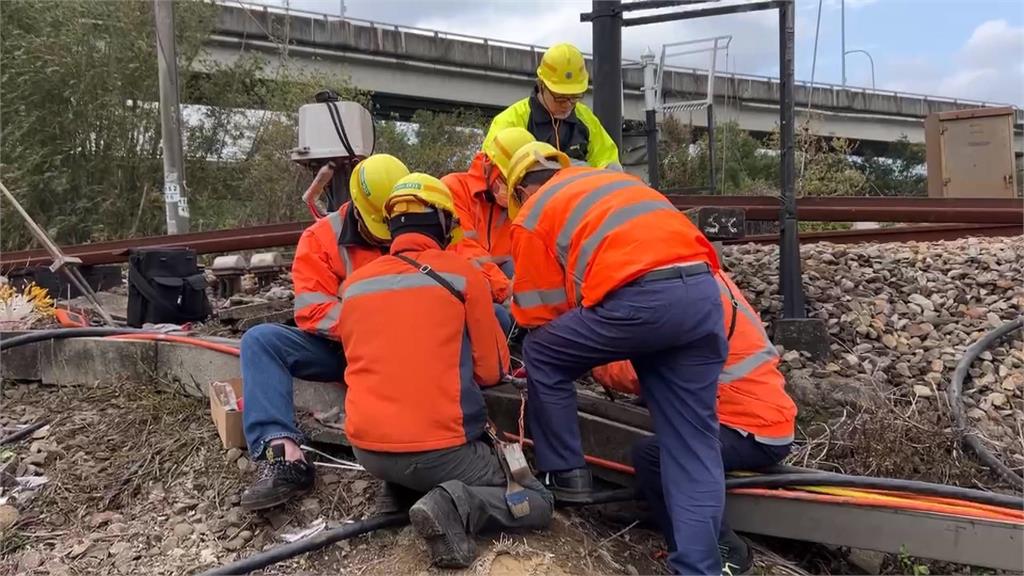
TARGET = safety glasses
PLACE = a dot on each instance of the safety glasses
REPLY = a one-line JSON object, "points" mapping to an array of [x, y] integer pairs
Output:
{"points": [[563, 98]]}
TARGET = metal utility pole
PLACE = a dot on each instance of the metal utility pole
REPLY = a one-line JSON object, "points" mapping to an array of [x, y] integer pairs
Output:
{"points": [[712, 178], [607, 26], [789, 256], [175, 190], [651, 116], [842, 33]]}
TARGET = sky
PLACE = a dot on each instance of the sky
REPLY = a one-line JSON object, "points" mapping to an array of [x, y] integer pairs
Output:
{"points": [[971, 49]]}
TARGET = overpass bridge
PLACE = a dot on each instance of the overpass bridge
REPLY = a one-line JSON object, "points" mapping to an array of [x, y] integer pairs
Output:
{"points": [[410, 68]]}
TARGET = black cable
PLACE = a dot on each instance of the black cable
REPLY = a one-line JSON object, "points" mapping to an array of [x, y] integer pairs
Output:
{"points": [[326, 538], [60, 333], [339, 127], [955, 390], [315, 542], [844, 481], [26, 431]]}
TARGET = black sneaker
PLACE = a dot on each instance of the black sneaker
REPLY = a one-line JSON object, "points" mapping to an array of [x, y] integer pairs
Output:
{"points": [[436, 519], [737, 558], [572, 486], [278, 480]]}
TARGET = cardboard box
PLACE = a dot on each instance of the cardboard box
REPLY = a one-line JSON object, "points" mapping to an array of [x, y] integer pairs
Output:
{"points": [[227, 420]]}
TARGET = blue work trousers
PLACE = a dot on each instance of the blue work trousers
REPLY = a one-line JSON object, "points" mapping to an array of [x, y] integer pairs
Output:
{"points": [[672, 330], [272, 355], [739, 452]]}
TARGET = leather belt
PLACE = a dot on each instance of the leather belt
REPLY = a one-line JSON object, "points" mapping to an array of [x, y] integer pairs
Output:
{"points": [[676, 272]]}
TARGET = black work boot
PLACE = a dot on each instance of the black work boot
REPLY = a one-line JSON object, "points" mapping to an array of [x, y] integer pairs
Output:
{"points": [[436, 519], [278, 480], [572, 486], [737, 557], [389, 499]]}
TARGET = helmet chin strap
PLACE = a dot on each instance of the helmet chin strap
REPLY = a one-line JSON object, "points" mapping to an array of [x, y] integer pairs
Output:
{"points": [[365, 232]]}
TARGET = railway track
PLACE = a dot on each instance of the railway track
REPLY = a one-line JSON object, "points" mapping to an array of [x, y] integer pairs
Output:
{"points": [[944, 219]]}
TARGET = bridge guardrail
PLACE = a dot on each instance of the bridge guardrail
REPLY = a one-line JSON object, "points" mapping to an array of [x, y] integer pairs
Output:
{"points": [[537, 49]]}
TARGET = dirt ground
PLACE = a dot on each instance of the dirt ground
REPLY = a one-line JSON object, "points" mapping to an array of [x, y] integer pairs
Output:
{"points": [[138, 483]]}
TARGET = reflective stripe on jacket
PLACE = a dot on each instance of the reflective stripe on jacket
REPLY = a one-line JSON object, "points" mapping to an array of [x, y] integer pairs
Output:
{"points": [[328, 252], [751, 390], [580, 135], [587, 232], [417, 356], [486, 238]]}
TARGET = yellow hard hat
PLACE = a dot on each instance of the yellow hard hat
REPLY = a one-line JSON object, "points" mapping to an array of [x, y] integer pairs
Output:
{"points": [[563, 70], [524, 161], [504, 144], [370, 186], [419, 193]]}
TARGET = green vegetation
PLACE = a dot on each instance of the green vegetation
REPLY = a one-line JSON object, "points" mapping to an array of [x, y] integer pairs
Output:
{"points": [[81, 126], [825, 167], [437, 144]]}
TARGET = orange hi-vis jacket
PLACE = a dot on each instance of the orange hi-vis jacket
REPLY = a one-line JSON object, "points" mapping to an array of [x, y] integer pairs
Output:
{"points": [[751, 391], [328, 252], [416, 355], [587, 232], [486, 238]]}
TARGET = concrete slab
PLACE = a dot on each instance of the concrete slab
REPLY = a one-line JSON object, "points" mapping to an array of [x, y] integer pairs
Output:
{"points": [[22, 363], [115, 304], [89, 360], [279, 317], [189, 370], [247, 311]]}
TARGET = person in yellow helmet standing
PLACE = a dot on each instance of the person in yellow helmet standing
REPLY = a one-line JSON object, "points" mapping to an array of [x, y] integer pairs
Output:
{"points": [[414, 411], [555, 114], [481, 202], [273, 354]]}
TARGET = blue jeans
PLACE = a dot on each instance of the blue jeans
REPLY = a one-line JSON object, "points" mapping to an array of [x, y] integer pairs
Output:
{"points": [[272, 355], [503, 314], [504, 317], [739, 452], [672, 330]]}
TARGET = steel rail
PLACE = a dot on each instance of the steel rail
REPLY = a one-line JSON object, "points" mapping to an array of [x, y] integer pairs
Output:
{"points": [[926, 233], [869, 209], [1003, 217]]}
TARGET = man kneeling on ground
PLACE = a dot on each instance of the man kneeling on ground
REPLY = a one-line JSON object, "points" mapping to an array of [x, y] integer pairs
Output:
{"points": [[757, 417], [420, 338]]}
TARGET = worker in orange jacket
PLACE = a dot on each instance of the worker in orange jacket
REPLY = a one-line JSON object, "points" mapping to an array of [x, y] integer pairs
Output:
{"points": [[481, 201], [608, 269], [758, 418], [414, 411], [272, 355]]}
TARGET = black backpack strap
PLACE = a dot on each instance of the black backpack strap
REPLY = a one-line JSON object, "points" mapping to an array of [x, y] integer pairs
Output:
{"points": [[425, 269]]}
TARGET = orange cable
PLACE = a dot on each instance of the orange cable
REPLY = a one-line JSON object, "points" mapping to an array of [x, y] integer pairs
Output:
{"points": [[907, 505], [180, 340]]}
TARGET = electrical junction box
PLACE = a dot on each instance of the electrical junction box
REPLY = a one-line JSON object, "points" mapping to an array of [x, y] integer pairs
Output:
{"points": [[325, 127], [970, 153]]}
